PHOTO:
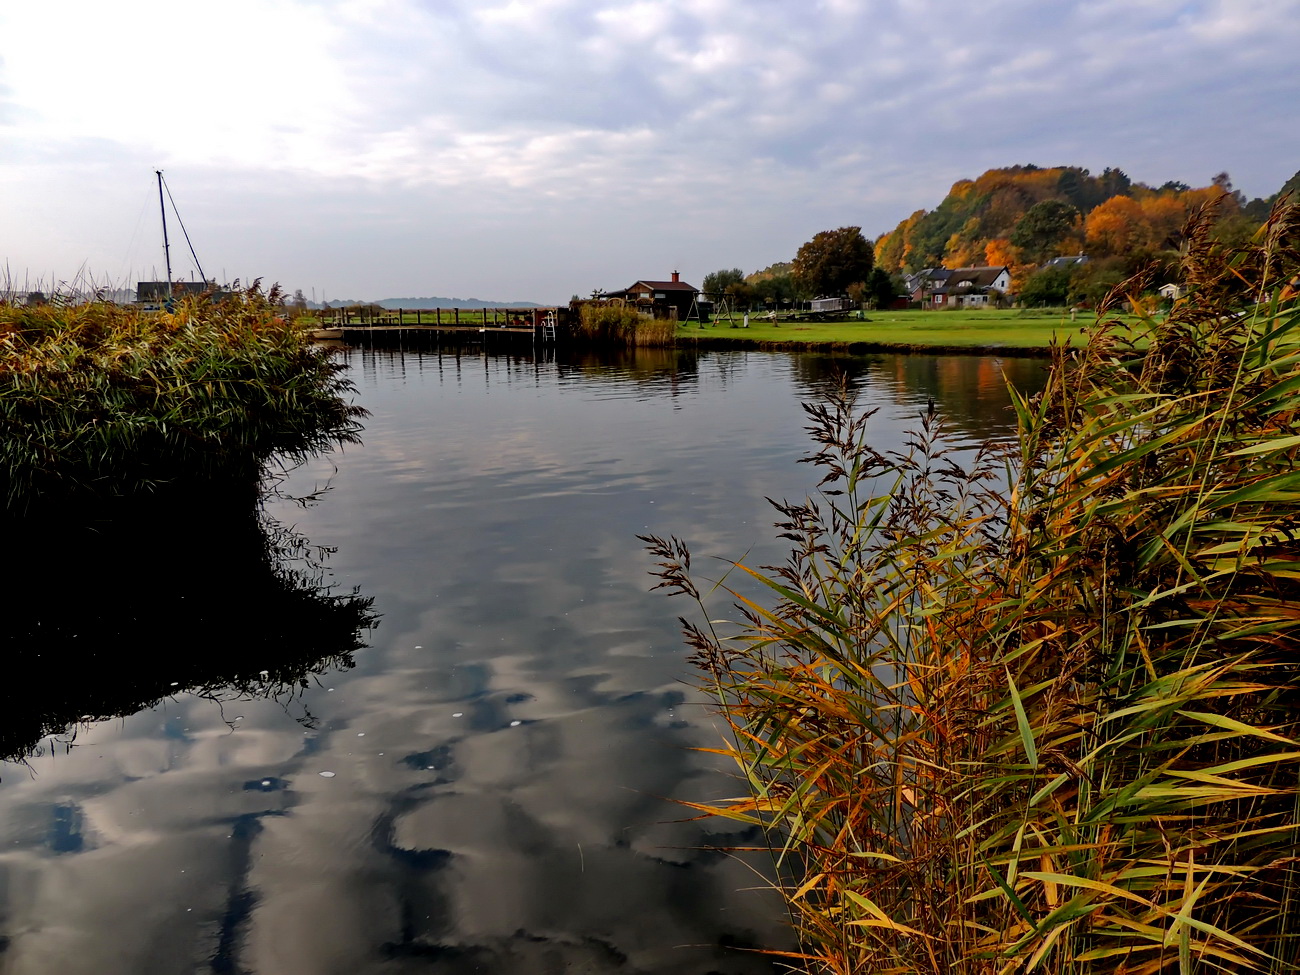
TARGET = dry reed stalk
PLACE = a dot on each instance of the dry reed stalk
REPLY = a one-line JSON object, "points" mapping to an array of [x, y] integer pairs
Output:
{"points": [[1052, 728], [619, 324], [101, 399]]}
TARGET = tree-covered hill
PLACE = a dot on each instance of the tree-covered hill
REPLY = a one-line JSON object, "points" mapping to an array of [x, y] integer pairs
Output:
{"points": [[1022, 216]]}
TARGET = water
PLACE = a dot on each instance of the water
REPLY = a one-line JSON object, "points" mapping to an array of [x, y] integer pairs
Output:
{"points": [[481, 786]]}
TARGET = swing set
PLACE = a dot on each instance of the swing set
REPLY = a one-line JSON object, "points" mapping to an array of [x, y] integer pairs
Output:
{"points": [[722, 304]]}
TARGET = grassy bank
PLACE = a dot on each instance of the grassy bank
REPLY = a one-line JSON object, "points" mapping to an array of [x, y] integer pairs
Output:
{"points": [[1054, 726], [973, 329], [101, 400]]}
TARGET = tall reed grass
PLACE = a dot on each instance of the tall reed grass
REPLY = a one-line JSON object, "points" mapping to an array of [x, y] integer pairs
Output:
{"points": [[100, 399], [1037, 709], [619, 324]]}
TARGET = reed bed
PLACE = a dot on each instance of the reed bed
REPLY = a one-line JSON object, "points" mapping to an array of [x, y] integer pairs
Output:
{"points": [[1037, 709], [619, 324], [98, 399]]}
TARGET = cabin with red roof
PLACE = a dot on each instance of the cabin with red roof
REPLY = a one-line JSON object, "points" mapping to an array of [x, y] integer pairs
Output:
{"points": [[658, 297]]}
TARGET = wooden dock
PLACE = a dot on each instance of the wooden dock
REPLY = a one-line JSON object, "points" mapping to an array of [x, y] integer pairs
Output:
{"points": [[502, 329], [439, 317], [438, 337]]}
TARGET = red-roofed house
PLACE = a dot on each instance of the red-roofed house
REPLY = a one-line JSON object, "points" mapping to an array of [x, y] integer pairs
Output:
{"points": [[675, 294]]}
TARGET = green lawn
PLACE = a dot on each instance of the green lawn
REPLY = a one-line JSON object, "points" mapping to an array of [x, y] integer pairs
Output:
{"points": [[991, 328]]}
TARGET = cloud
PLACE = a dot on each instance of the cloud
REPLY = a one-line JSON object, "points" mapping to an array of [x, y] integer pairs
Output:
{"points": [[755, 117]]}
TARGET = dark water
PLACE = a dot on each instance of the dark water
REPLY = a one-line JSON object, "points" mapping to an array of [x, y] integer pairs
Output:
{"points": [[476, 783]]}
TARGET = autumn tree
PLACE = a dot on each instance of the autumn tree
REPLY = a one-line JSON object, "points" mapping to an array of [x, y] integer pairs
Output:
{"points": [[832, 260], [998, 252], [1164, 215], [1112, 227], [893, 250], [966, 247], [1043, 226]]}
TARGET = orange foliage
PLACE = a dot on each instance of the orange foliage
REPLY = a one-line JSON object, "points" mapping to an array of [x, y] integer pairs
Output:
{"points": [[974, 224], [1210, 196], [999, 252], [1164, 216], [1116, 225], [962, 189], [963, 251], [893, 248], [1020, 273], [889, 250]]}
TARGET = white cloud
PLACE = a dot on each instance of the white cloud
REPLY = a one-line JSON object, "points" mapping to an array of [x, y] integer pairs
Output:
{"points": [[773, 114]]}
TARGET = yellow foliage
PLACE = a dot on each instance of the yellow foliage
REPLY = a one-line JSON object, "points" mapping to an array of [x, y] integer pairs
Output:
{"points": [[999, 251]]}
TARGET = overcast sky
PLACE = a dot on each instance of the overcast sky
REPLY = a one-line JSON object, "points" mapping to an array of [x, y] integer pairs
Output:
{"points": [[533, 149]]}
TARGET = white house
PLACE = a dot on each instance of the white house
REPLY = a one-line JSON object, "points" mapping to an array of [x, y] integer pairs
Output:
{"points": [[970, 287]]}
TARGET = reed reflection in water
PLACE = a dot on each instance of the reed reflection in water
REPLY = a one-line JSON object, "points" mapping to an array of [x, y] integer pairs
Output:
{"points": [[499, 752]]}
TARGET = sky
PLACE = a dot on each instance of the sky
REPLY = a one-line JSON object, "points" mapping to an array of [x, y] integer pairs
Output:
{"points": [[531, 150]]}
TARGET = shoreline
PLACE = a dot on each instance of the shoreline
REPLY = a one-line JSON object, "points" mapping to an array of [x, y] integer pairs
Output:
{"points": [[860, 347]]}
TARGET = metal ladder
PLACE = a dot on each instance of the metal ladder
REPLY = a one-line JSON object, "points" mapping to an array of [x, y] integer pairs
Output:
{"points": [[548, 328]]}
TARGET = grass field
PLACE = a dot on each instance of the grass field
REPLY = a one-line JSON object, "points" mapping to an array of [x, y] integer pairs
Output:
{"points": [[993, 328], [1010, 329]]}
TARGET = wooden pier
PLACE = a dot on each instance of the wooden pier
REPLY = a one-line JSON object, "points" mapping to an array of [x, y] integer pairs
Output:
{"points": [[502, 329]]}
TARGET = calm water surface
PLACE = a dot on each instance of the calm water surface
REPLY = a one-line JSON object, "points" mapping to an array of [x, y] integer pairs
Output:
{"points": [[483, 790]]}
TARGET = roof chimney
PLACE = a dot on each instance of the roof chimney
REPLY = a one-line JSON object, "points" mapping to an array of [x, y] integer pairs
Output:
{"points": [[676, 278]]}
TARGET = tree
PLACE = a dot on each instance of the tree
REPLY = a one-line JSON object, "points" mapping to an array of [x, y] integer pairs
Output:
{"points": [[773, 285], [1042, 227], [832, 260], [1290, 189], [1116, 225], [721, 282], [880, 289], [1114, 182], [1050, 286], [1091, 283]]}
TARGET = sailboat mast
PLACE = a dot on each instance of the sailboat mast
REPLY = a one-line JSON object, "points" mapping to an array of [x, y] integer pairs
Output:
{"points": [[167, 255]]}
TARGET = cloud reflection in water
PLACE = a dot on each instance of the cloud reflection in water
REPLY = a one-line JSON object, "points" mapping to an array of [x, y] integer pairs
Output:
{"points": [[491, 513]]}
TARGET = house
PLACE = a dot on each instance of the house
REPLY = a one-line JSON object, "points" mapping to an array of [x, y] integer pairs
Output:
{"points": [[968, 287], [924, 280], [1171, 291], [658, 297]]}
